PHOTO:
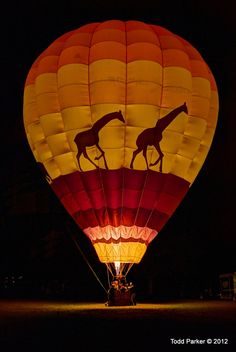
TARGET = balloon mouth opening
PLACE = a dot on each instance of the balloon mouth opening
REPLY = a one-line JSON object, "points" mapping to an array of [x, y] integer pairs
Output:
{"points": [[119, 269]]}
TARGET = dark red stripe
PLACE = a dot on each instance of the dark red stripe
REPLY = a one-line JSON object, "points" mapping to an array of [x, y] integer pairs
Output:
{"points": [[120, 197], [123, 216]]}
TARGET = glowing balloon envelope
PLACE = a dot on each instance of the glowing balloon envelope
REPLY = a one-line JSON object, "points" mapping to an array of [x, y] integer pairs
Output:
{"points": [[121, 116]]}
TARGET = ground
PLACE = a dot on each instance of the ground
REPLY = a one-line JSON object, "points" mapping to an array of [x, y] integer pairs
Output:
{"points": [[69, 326]]}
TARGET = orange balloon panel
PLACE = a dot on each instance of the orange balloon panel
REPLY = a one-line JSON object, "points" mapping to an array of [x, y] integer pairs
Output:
{"points": [[121, 116]]}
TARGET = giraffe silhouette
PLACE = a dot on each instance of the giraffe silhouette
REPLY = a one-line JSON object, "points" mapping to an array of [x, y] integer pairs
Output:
{"points": [[90, 137], [153, 136]]}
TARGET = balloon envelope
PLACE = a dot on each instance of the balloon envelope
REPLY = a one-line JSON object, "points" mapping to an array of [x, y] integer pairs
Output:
{"points": [[121, 116]]}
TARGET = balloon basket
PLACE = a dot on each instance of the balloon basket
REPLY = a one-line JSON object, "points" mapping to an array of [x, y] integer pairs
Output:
{"points": [[121, 293]]}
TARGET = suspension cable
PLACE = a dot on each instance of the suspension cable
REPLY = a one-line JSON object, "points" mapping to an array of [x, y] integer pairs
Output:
{"points": [[108, 277], [86, 260]]}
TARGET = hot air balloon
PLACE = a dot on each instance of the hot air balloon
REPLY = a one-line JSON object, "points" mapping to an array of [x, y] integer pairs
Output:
{"points": [[121, 116]]}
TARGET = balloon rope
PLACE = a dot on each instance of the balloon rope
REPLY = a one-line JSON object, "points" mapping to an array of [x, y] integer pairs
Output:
{"points": [[89, 265], [108, 277]]}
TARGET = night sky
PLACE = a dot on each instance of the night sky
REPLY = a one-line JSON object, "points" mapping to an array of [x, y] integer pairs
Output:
{"points": [[198, 243]]}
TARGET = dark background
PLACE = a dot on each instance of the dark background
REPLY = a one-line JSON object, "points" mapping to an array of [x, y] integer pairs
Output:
{"points": [[37, 253]]}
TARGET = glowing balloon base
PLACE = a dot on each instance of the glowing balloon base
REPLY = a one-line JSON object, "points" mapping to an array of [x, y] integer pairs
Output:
{"points": [[118, 269], [121, 293]]}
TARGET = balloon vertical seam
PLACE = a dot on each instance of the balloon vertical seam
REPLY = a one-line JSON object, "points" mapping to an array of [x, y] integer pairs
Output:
{"points": [[99, 169], [89, 96], [125, 112], [147, 171]]}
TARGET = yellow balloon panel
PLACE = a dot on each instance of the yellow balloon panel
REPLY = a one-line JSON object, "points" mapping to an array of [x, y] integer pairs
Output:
{"points": [[30, 109], [200, 107], [73, 95], [208, 136], [141, 115], [201, 87], [180, 166], [195, 128], [144, 70], [77, 117], [178, 124], [46, 83], [114, 158], [66, 163], [52, 168], [58, 143], [171, 141], [99, 110], [112, 137], [129, 252], [144, 93], [188, 147], [177, 77], [107, 70], [36, 132], [139, 163], [103, 92], [213, 111], [43, 151], [201, 154], [52, 124], [72, 74], [196, 163], [131, 133], [167, 162], [175, 96], [47, 103]]}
